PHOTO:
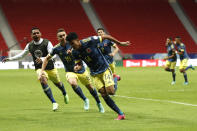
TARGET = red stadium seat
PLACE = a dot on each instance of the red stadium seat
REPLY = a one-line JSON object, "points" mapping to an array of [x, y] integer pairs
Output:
{"points": [[146, 23], [48, 15], [3, 46]]}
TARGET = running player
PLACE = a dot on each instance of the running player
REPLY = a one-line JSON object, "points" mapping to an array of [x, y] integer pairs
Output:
{"points": [[39, 48], [87, 50], [105, 47], [171, 58], [63, 51], [183, 58]]}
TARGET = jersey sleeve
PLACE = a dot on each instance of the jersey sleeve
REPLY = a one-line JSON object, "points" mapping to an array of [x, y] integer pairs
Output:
{"points": [[182, 48], [53, 52], [96, 40]]}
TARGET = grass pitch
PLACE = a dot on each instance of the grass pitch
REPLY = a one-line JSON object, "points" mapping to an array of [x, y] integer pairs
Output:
{"points": [[150, 103]]}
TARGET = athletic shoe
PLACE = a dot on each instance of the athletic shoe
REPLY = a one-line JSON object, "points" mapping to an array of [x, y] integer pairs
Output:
{"points": [[86, 104], [118, 77], [55, 106], [66, 99], [101, 108], [186, 83], [193, 68], [120, 117], [173, 82]]}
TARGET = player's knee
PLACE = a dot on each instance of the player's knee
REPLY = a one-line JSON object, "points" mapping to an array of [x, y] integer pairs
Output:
{"points": [[89, 87], [72, 82], [182, 70], [43, 80], [110, 90]]}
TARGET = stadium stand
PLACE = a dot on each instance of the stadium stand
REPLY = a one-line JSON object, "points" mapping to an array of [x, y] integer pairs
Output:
{"points": [[190, 8], [146, 23], [3, 46], [48, 15]]}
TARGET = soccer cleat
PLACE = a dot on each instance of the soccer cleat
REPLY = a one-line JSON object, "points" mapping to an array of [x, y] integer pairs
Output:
{"points": [[193, 68], [66, 99], [173, 82], [55, 106], [120, 117], [186, 83], [117, 76], [101, 108], [86, 104]]}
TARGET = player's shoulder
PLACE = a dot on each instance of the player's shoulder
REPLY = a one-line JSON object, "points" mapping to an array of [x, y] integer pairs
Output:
{"points": [[182, 44], [57, 45]]}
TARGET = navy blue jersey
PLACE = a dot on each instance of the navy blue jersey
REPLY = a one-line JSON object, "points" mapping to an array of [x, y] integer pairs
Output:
{"points": [[181, 48], [91, 55], [105, 48], [171, 51], [67, 59]]}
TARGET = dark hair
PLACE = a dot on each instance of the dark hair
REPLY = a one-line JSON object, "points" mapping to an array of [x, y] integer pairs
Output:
{"points": [[34, 28], [71, 36], [60, 30], [100, 29], [170, 38], [178, 37]]}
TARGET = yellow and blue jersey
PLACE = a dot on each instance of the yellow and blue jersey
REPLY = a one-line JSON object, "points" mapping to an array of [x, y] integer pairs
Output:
{"points": [[91, 55], [181, 48], [171, 51], [105, 48], [67, 59]]}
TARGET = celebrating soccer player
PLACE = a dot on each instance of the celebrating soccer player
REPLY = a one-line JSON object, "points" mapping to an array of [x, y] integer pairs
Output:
{"points": [[63, 51], [171, 58], [183, 58], [39, 48], [105, 47], [87, 50]]}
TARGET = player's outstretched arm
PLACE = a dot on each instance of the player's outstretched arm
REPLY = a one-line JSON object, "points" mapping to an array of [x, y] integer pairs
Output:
{"points": [[116, 49], [127, 43]]}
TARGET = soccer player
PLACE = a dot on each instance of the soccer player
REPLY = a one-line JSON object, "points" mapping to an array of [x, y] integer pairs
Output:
{"points": [[87, 50], [105, 47], [183, 58], [171, 58], [39, 48], [63, 51]]}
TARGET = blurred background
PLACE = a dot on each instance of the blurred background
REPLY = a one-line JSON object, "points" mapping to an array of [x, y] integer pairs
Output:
{"points": [[145, 23]]}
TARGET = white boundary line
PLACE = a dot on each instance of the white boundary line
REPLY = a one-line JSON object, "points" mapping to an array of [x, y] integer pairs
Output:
{"points": [[149, 99]]}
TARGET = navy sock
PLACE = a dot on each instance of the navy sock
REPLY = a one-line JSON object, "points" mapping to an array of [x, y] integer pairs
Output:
{"points": [[174, 76], [95, 95], [190, 66], [48, 92], [112, 105], [79, 92], [61, 87], [185, 77], [115, 83]]}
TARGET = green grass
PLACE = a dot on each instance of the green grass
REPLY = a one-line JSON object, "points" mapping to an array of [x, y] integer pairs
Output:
{"points": [[24, 107]]}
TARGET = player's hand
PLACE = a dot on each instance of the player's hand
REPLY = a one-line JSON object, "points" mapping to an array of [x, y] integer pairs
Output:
{"points": [[77, 68], [69, 51], [127, 43], [5, 60], [38, 60], [40, 75], [111, 54], [165, 58]]}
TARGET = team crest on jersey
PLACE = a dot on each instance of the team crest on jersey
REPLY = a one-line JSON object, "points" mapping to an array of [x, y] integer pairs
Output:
{"points": [[88, 50]]}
